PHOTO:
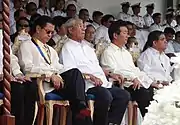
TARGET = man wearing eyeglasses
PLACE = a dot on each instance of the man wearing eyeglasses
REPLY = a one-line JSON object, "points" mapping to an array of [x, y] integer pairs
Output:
{"points": [[36, 57], [21, 24]]}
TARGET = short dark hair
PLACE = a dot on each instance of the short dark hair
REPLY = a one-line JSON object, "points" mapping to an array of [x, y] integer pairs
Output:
{"points": [[34, 17], [42, 22], [58, 21], [82, 10], [156, 15], [28, 6], [70, 5], [177, 33], [17, 12], [177, 17], [96, 14], [169, 30], [114, 28], [90, 25], [129, 23], [18, 21], [154, 35], [106, 17]]}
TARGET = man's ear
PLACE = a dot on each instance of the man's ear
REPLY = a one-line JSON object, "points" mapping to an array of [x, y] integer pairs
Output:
{"points": [[69, 30], [38, 28], [115, 35], [154, 43]]}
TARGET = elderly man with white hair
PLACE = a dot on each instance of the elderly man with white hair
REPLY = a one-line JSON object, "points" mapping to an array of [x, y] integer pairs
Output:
{"points": [[110, 102]]}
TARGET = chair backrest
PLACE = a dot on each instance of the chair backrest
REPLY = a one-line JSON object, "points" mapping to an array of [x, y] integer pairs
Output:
{"points": [[60, 44], [101, 45]]}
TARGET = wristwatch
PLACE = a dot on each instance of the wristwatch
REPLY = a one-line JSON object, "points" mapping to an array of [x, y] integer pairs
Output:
{"points": [[86, 77]]}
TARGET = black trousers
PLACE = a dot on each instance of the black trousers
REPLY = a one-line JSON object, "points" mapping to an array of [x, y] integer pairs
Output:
{"points": [[74, 91], [110, 104], [23, 97], [142, 96]]}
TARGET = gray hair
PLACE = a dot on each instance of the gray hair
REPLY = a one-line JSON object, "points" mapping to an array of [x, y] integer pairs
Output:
{"points": [[72, 22]]}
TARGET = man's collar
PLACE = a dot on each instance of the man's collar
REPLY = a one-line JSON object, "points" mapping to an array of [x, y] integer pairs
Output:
{"points": [[116, 48]]}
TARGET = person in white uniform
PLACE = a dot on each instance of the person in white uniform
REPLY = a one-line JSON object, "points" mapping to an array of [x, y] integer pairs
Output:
{"points": [[176, 43], [77, 3], [177, 27], [153, 61], [59, 9], [36, 57], [43, 10], [110, 102], [157, 23], [169, 34], [169, 20], [97, 16], [124, 14], [148, 17], [102, 31], [136, 18]]}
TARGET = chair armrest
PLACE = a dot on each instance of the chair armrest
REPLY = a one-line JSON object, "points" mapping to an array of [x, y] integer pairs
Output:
{"points": [[40, 78]]}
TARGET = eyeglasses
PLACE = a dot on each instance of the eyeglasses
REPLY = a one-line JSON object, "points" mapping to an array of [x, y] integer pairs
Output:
{"points": [[23, 25], [48, 31]]}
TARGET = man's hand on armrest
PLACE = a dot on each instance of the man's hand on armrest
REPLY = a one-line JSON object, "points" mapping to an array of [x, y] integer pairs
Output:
{"points": [[21, 78], [116, 77], [57, 81], [94, 79]]}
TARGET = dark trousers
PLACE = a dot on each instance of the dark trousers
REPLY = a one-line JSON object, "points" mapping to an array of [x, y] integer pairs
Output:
{"points": [[142, 96], [23, 97], [110, 104], [74, 91]]}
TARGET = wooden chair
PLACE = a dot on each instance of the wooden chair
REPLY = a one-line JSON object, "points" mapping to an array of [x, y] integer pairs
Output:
{"points": [[48, 101]]}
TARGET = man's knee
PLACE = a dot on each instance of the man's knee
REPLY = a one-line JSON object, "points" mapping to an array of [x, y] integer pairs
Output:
{"points": [[101, 94], [120, 94]]}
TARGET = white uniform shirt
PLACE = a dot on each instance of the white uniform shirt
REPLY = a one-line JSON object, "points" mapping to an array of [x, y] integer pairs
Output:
{"points": [[123, 16], [42, 12], [177, 28], [96, 25], [173, 23], [176, 46], [58, 13], [102, 33], [148, 20], [31, 61], [77, 4], [154, 27], [82, 56], [170, 48], [119, 60], [155, 65], [138, 21]]}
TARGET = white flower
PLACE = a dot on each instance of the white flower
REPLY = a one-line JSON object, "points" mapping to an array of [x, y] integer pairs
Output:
{"points": [[165, 109]]}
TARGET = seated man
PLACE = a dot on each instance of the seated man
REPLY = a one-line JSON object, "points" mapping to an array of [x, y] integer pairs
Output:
{"points": [[23, 91], [37, 57], [110, 102], [118, 60], [153, 60], [60, 37]]}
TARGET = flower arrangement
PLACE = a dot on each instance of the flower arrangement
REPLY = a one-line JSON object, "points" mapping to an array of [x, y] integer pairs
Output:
{"points": [[165, 109]]}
